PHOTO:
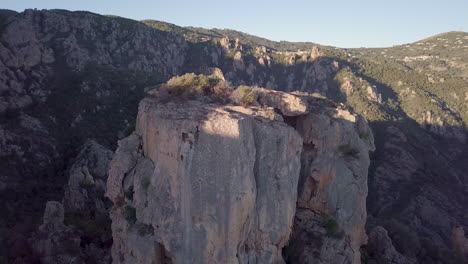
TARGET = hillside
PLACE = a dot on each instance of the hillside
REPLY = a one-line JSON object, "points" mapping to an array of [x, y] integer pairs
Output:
{"points": [[70, 77]]}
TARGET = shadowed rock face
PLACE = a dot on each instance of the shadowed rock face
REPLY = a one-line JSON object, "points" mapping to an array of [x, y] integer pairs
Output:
{"points": [[79, 230], [382, 248], [86, 182], [54, 242], [210, 183]]}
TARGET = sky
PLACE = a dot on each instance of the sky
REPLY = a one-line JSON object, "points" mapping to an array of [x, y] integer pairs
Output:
{"points": [[341, 23]]}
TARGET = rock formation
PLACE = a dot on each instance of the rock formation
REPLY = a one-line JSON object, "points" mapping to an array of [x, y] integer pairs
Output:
{"points": [[209, 183], [459, 241], [87, 180], [54, 242], [381, 248], [79, 230]]}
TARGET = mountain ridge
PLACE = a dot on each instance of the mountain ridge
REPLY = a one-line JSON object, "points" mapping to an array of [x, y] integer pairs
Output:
{"points": [[220, 31], [71, 76]]}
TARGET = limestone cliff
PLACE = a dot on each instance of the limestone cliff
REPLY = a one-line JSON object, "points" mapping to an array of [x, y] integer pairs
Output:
{"points": [[202, 182]]}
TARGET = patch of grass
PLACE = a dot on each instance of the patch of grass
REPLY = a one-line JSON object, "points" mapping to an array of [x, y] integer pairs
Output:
{"points": [[247, 94], [191, 84]]}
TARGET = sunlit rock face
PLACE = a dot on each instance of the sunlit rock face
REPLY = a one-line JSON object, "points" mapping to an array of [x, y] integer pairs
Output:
{"points": [[212, 184], [209, 183]]}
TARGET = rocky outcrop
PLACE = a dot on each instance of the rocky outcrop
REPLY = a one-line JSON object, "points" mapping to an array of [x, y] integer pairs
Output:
{"points": [[57, 242], [210, 183], [216, 193], [331, 207], [79, 230], [381, 249], [459, 241], [87, 180], [54, 242]]}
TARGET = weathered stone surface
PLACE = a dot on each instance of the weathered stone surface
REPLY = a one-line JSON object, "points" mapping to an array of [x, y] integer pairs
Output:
{"points": [[87, 180], [86, 237], [331, 208], [209, 183], [288, 104], [214, 185]]}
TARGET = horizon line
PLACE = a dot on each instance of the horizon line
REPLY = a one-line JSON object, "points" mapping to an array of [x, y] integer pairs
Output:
{"points": [[243, 32]]}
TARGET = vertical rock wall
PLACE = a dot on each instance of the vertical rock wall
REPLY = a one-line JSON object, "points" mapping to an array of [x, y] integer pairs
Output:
{"points": [[207, 183]]}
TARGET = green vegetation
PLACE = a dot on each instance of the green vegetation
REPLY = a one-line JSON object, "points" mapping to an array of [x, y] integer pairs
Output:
{"points": [[332, 227], [129, 130], [129, 193], [191, 84], [247, 95], [145, 229], [222, 89], [404, 239], [86, 184], [364, 135], [433, 253], [315, 238], [129, 214], [71, 247], [189, 35], [416, 94], [5, 15], [195, 34], [94, 227], [104, 96], [348, 150], [358, 98], [145, 183]]}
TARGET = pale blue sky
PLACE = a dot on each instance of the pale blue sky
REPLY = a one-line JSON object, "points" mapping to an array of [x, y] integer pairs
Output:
{"points": [[365, 23]]}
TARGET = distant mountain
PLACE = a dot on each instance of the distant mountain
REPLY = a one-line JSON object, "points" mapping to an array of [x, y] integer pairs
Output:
{"points": [[67, 77]]}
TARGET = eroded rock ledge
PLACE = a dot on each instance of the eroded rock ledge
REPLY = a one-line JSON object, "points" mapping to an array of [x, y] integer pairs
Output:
{"points": [[284, 180]]}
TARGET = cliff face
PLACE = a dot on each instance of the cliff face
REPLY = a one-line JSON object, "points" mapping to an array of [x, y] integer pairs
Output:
{"points": [[211, 183], [66, 77]]}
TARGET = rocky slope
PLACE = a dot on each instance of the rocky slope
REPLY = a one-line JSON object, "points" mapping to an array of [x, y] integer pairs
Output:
{"points": [[66, 77], [79, 230], [201, 182]]}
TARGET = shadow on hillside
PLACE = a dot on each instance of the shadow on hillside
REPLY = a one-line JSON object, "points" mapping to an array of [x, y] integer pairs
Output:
{"points": [[438, 176]]}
